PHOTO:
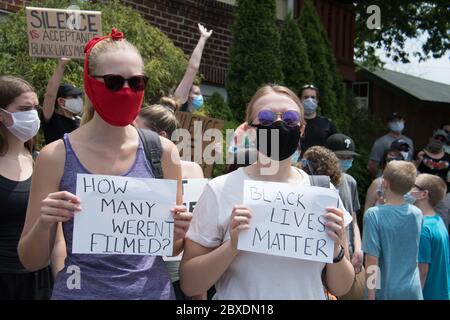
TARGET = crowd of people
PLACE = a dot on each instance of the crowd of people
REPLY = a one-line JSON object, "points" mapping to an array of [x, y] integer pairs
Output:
{"points": [[401, 251]]}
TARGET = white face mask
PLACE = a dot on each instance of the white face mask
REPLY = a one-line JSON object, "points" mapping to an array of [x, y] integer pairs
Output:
{"points": [[25, 124], [405, 155], [74, 105]]}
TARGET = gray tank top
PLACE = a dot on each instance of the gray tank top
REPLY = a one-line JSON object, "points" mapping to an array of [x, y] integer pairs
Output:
{"points": [[104, 277]]}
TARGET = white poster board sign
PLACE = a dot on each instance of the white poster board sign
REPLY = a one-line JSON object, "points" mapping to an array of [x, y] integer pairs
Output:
{"points": [[124, 215], [192, 190], [288, 220]]}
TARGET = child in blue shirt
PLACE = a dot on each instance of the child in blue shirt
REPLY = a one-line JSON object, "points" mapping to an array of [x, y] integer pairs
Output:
{"points": [[391, 239], [434, 257]]}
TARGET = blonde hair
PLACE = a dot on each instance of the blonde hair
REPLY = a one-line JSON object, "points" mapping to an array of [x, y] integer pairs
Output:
{"points": [[106, 45], [324, 162], [273, 89], [401, 176], [159, 118], [170, 102], [434, 185]]}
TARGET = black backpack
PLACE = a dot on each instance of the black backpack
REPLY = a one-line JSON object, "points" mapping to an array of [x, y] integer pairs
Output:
{"points": [[153, 150]]}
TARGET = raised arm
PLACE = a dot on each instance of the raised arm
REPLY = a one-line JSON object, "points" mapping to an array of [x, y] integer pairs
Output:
{"points": [[182, 91], [52, 89]]}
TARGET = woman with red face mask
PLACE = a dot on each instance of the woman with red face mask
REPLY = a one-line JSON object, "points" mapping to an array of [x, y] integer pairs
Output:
{"points": [[106, 144]]}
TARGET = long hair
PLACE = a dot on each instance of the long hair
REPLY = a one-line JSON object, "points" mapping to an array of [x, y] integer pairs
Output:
{"points": [[10, 88]]}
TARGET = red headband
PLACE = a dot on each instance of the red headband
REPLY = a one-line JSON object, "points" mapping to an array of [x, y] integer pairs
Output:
{"points": [[116, 36]]}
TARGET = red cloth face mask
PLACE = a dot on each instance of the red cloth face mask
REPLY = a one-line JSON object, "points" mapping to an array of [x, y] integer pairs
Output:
{"points": [[118, 108]]}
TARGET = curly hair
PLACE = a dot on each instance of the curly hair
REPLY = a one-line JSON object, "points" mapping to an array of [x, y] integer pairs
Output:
{"points": [[324, 162]]}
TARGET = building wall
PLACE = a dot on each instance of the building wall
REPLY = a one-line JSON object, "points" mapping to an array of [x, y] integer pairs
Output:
{"points": [[421, 118], [178, 20]]}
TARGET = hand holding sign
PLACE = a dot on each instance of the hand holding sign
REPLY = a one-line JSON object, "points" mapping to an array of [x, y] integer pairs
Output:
{"points": [[58, 207], [182, 220], [293, 221], [335, 227], [240, 220]]}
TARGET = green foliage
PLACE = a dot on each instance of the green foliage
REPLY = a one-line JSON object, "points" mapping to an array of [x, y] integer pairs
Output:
{"points": [[164, 63], [294, 58], [254, 54], [402, 20], [364, 129], [312, 31]]}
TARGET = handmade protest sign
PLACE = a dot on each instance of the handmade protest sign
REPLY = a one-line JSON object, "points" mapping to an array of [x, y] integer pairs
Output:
{"points": [[124, 215], [288, 220], [198, 126], [54, 33], [192, 190]]}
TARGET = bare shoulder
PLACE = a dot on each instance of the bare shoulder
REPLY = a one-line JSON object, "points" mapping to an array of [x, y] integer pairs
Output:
{"points": [[52, 158], [191, 170]]}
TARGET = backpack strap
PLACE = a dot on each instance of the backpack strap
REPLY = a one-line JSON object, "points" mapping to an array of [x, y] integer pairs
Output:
{"points": [[153, 150], [319, 181]]}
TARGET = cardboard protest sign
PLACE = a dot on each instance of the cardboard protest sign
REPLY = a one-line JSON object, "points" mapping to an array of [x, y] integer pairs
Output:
{"points": [[192, 190], [197, 126], [288, 221], [54, 33], [124, 215]]}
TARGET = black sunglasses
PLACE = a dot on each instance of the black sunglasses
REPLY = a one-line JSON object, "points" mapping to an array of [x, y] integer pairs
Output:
{"points": [[115, 82]]}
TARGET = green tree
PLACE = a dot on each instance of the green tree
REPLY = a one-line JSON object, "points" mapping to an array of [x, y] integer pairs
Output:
{"points": [[164, 63], [255, 52], [294, 58], [312, 31], [401, 20]]}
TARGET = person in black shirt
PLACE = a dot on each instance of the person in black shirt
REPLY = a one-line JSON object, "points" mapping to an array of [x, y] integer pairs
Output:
{"points": [[318, 128], [19, 124], [61, 106]]}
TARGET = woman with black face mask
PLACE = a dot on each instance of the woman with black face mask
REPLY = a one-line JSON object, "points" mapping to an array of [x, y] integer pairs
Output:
{"points": [[211, 255], [433, 159]]}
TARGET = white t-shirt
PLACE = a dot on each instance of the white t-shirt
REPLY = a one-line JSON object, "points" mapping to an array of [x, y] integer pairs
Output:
{"points": [[251, 275]]}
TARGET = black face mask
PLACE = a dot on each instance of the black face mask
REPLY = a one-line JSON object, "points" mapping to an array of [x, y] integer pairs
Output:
{"points": [[288, 140]]}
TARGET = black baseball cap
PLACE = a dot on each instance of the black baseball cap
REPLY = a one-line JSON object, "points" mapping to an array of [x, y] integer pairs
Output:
{"points": [[68, 90], [394, 116], [400, 145], [341, 144]]}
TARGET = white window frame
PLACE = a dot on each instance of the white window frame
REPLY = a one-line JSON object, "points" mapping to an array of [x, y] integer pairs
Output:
{"points": [[362, 101]]}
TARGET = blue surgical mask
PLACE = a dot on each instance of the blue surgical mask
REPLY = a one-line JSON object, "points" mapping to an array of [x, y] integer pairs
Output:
{"points": [[396, 126], [345, 164], [310, 105], [409, 198], [295, 157], [197, 102]]}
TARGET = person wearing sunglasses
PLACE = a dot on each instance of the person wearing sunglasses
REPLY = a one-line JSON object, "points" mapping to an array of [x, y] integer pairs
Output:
{"points": [[433, 160], [434, 254], [187, 93], [63, 103], [318, 128], [106, 143], [211, 256], [19, 124]]}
